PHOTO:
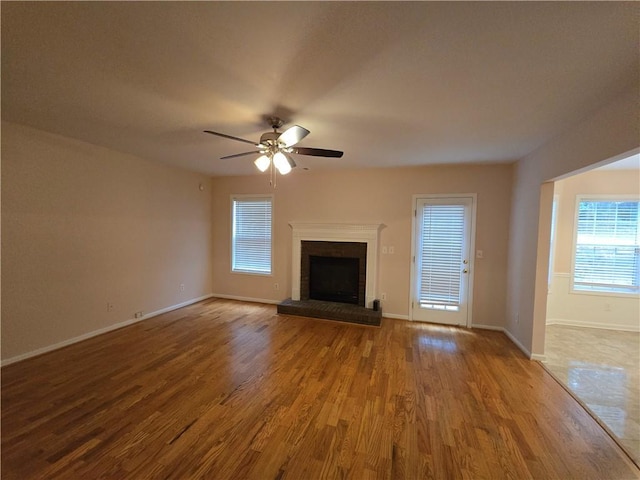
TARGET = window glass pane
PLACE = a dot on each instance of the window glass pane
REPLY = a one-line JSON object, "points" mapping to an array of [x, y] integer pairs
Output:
{"points": [[442, 247], [251, 235], [607, 254]]}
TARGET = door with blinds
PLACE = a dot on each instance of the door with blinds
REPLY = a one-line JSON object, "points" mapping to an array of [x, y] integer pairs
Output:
{"points": [[442, 263]]}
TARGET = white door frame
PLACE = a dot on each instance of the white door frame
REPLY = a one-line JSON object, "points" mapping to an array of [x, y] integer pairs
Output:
{"points": [[472, 247]]}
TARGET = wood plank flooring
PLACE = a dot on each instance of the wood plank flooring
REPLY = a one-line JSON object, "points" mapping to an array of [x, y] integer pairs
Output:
{"points": [[230, 390]]}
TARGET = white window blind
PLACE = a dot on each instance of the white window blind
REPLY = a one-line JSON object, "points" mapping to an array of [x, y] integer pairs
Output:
{"points": [[441, 256], [607, 253], [251, 235]]}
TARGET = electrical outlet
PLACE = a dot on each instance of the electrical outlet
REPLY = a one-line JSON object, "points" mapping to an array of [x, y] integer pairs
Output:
{"points": [[109, 307], [383, 296], [384, 250], [139, 314], [182, 287], [276, 286], [392, 250], [607, 307], [517, 318]]}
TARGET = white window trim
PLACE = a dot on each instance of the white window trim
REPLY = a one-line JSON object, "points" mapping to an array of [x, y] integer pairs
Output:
{"points": [[595, 197], [231, 251], [554, 240]]}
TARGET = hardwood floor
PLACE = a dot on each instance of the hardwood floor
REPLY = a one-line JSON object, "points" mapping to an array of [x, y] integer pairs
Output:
{"points": [[230, 390]]}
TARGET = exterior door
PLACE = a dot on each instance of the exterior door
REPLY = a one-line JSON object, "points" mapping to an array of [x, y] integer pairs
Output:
{"points": [[442, 262]]}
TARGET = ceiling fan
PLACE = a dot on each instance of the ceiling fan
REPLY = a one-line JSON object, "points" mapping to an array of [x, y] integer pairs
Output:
{"points": [[275, 148]]}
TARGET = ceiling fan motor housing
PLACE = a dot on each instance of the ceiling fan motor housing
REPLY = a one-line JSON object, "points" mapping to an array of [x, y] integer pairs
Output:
{"points": [[269, 138], [275, 122]]}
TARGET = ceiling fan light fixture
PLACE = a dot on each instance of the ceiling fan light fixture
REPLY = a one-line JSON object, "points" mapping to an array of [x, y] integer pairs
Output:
{"points": [[274, 148], [262, 163], [282, 163]]}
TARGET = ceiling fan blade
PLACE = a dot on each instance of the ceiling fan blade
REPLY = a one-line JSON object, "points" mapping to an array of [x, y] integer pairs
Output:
{"points": [[224, 135], [292, 135], [240, 154], [317, 152]]}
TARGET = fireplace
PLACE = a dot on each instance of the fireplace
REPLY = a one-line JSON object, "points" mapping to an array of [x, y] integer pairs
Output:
{"points": [[334, 279], [333, 271], [364, 234], [334, 251]]}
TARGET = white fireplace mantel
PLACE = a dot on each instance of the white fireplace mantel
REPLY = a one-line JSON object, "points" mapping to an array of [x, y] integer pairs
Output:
{"points": [[337, 232]]}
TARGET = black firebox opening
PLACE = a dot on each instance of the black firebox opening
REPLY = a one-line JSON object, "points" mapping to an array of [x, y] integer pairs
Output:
{"points": [[334, 279]]}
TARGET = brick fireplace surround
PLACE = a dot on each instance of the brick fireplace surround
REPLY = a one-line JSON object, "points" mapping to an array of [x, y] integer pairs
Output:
{"points": [[337, 250]]}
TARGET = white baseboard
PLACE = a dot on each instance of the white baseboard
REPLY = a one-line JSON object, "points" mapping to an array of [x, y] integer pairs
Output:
{"points": [[518, 344], [131, 321], [531, 356], [603, 326], [275, 302], [396, 316], [176, 306], [487, 327], [246, 299], [100, 331]]}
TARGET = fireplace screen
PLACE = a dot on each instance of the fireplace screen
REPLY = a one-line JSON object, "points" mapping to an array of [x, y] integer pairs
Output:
{"points": [[334, 279]]}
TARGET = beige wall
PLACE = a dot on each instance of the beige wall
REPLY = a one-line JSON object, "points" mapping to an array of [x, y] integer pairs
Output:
{"points": [[371, 196], [611, 131], [586, 309], [82, 226]]}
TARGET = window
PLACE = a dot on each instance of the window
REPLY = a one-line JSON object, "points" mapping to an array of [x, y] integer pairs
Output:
{"points": [[251, 234], [607, 249], [442, 248]]}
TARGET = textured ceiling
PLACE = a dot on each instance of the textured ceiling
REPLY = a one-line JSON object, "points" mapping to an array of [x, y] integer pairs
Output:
{"points": [[390, 83]]}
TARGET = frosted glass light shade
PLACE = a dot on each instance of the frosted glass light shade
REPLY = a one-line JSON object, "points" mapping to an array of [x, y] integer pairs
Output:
{"points": [[282, 163], [262, 163]]}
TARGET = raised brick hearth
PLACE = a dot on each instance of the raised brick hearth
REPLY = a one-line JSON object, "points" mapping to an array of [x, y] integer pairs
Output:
{"points": [[331, 311]]}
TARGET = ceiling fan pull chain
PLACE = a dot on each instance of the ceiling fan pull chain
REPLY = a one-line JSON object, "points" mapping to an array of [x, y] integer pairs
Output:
{"points": [[275, 175], [272, 175]]}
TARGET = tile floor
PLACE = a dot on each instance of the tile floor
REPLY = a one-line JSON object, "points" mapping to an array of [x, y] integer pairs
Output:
{"points": [[602, 368]]}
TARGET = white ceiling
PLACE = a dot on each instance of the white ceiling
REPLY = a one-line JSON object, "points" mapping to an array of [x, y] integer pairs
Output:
{"points": [[390, 83], [629, 163]]}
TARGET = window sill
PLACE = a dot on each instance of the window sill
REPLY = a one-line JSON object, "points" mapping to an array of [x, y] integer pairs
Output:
{"points": [[248, 272], [598, 293]]}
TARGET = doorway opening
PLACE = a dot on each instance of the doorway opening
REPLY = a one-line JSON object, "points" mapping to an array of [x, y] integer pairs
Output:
{"points": [[592, 330]]}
